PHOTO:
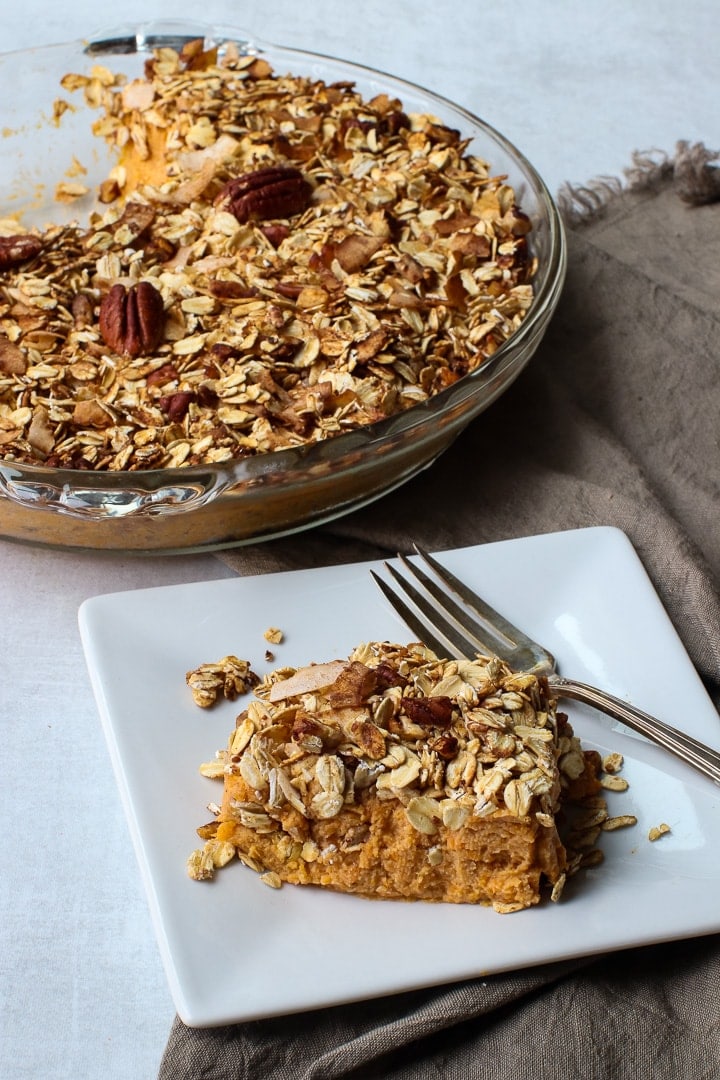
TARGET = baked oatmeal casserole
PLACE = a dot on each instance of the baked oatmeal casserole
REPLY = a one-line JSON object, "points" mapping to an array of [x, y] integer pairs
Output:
{"points": [[278, 260], [396, 774]]}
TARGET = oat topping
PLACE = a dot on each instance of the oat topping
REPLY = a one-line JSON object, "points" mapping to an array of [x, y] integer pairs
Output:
{"points": [[657, 831], [279, 261], [445, 738]]}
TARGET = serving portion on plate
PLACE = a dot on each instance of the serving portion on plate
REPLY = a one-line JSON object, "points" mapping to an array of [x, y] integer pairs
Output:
{"points": [[234, 949], [288, 287], [399, 774]]}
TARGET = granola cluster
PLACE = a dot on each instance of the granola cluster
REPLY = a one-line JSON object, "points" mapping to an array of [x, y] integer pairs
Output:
{"points": [[279, 261], [227, 678]]}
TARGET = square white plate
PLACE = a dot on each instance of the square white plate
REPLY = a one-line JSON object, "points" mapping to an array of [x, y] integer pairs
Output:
{"points": [[234, 949]]}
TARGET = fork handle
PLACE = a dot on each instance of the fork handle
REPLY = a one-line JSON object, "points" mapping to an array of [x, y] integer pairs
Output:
{"points": [[695, 753]]}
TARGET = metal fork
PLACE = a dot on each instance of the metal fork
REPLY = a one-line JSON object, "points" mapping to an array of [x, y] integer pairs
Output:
{"points": [[465, 629]]}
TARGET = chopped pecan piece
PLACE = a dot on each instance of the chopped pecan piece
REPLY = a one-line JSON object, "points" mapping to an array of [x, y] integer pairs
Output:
{"points": [[445, 746], [231, 290], [276, 234], [82, 310], [353, 686], [355, 251], [305, 727], [132, 320], [387, 675], [161, 375], [275, 192], [91, 414], [429, 711], [394, 122], [175, 406], [289, 289], [370, 739], [157, 249]]}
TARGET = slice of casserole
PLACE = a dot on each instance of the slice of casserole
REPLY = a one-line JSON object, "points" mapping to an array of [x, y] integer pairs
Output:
{"points": [[396, 774]]}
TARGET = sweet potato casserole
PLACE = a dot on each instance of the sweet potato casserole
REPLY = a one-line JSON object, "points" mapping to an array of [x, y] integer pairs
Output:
{"points": [[276, 260], [396, 774]]}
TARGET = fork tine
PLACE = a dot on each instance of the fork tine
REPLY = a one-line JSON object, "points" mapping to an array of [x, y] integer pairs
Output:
{"points": [[511, 638], [501, 626], [435, 615], [422, 629], [457, 630], [482, 634]]}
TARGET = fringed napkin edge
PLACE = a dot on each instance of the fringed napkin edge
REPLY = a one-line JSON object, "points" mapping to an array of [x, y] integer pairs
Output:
{"points": [[690, 171]]}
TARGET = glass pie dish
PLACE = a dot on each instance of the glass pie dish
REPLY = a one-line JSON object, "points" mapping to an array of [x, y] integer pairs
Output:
{"points": [[252, 498]]}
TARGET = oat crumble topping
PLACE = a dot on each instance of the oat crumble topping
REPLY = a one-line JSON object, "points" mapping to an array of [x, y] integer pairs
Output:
{"points": [[407, 268]]}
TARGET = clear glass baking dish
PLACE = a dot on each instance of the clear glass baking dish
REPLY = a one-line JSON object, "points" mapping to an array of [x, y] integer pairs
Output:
{"points": [[269, 495]]}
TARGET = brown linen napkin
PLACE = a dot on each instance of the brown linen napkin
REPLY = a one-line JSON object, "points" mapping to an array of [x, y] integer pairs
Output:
{"points": [[615, 422]]}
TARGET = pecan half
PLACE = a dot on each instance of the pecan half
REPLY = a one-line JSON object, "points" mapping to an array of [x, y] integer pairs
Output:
{"points": [[132, 320], [16, 250], [275, 192]]}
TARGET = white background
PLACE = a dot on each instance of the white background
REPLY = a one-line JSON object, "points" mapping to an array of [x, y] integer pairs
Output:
{"points": [[578, 87]]}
